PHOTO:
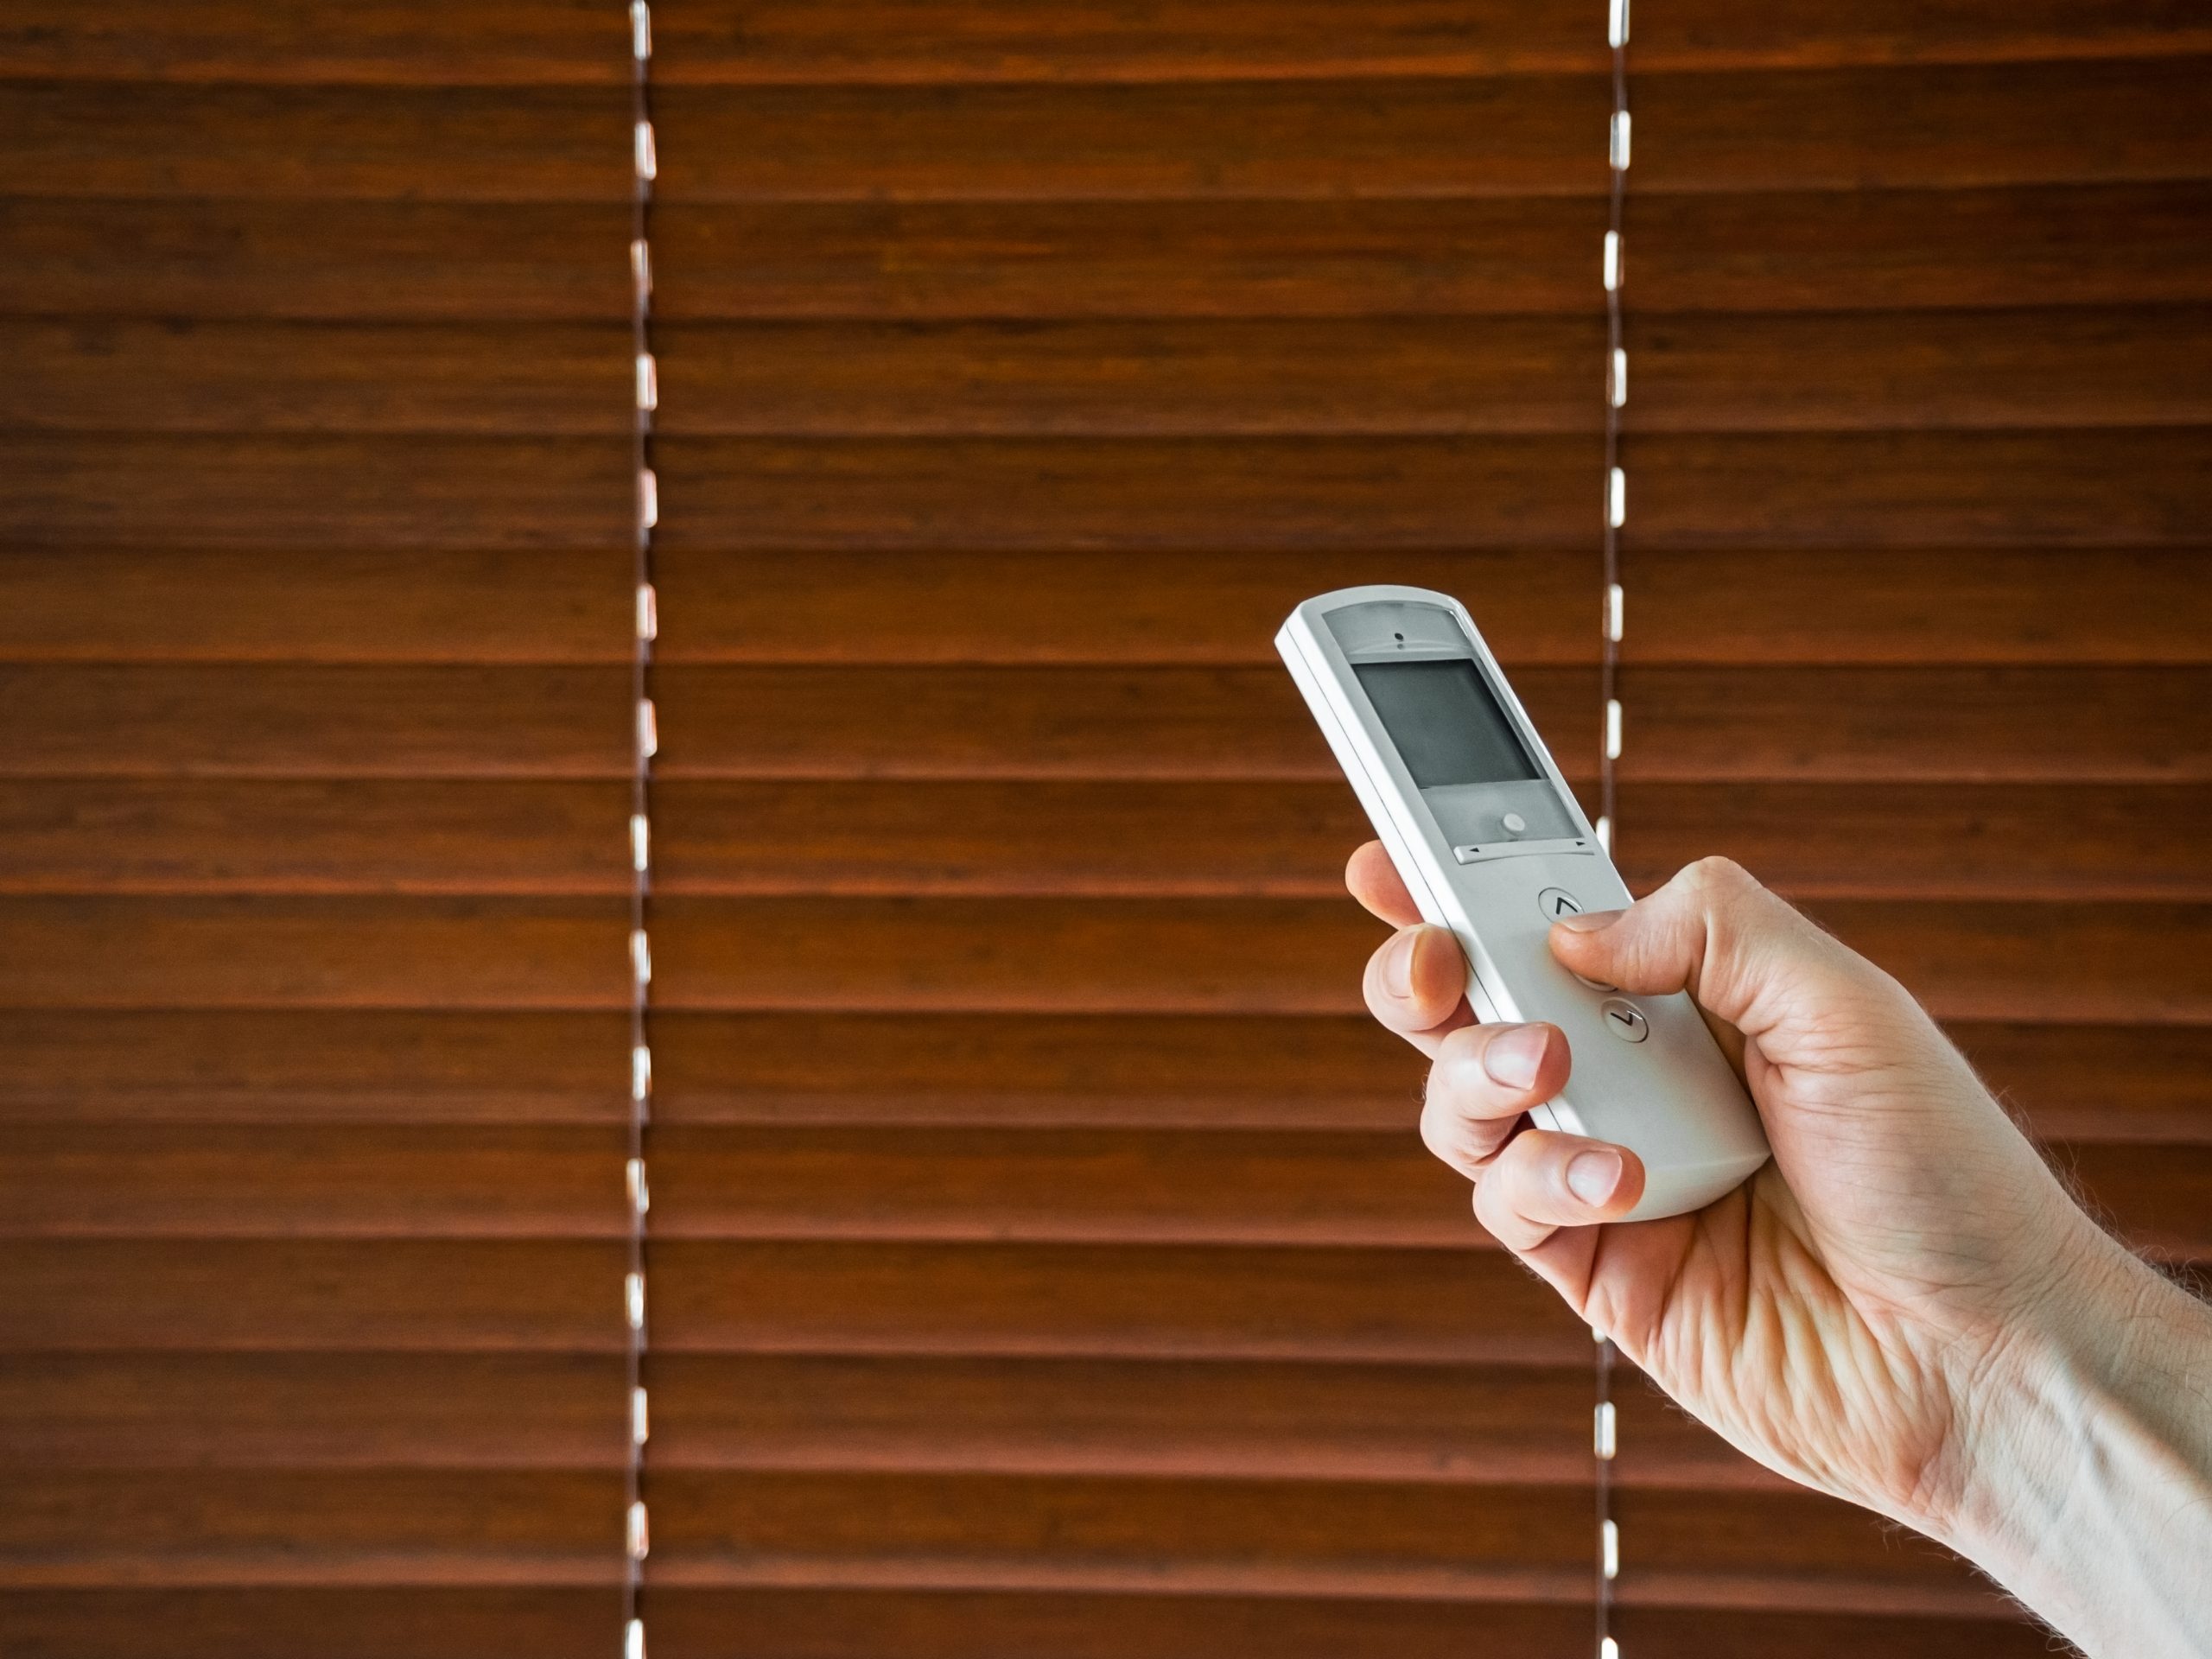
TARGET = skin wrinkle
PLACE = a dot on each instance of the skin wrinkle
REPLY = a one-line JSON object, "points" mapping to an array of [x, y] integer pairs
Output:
{"points": [[1904, 1308]]}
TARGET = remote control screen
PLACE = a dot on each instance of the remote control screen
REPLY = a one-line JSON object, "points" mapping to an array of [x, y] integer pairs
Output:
{"points": [[1446, 723]]}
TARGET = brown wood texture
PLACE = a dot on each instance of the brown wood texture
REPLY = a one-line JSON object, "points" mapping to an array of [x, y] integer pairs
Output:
{"points": [[2012, 123], [1781, 250], [1043, 1261], [244, 258], [408, 42]]}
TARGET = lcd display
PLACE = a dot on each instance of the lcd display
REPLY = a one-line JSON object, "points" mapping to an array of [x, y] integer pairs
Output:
{"points": [[1446, 723]]}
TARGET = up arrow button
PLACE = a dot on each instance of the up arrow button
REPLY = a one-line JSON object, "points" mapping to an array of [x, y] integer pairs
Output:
{"points": [[1557, 902]]}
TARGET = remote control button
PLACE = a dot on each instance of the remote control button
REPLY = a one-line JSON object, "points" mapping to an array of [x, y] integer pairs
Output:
{"points": [[1557, 902], [1625, 1019], [1514, 823]]}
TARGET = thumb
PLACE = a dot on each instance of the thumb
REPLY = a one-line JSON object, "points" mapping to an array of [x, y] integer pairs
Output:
{"points": [[1715, 932]]}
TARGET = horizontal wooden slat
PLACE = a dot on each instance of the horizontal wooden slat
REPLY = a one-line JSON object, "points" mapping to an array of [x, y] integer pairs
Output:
{"points": [[2105, 1082], [2075, 122], [2097, 488], [1263, 1187], [330, 603], [1291, 839], [1785, 251], [1000, 1532], [1235, 494], [865, 40], [1918, 606], [1414, 1423], [316, 1411], [2087, 1082], [543, 1295], [283, 1182], [546, 1622], [278, 492], [357, 835], [315, 1065], [1282, 1537], [1811, 840], [1033, 836], [1866, 129], [941, 1624], [2081, 727], [93, 1528], [2151, 1196], [269, 721], [1032, 723], [1167, 378], [1448, 1306], [1966, 960], [789, 1066], [120, 139], [2092, 488], [1909, 370], [1992, 960], [249, 259], [402, 42], [1855, 370], [264, 1622], [1189, 605], [1934, 841], [314, 260], [125, 953], [1458, 1425], [1688, 605], [1041, 955], [481, 378]]}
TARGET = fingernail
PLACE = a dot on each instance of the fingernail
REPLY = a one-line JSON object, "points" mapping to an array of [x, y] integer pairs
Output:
{"points": [[1590, 921], [1591, 1176], [1398, 964], [1511, 1058]]}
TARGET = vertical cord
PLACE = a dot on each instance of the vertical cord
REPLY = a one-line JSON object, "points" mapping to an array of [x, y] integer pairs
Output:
{"points": [[644, 743], [1612, 617]]}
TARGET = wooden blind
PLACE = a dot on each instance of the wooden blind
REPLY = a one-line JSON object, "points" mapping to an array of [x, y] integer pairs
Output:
{"points": [[1043, 1260], [315, 620]]}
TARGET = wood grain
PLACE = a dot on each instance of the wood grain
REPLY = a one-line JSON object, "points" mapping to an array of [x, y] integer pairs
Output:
{"points": [[1409, 375], [314, 260], [1031, 722], [408, 42], [243, 952], [215, 720], [313, 1065], [326, 604], [2082, 727], [1251, 494], [119, 376], [280, 491], [1187, 606], [120, 140], [1966, 960], [1998, 840], [1929, 840], [1923, 607], [1973, 125], [2099, 488], [1786, 251], [354, 835], [183, 1410]]}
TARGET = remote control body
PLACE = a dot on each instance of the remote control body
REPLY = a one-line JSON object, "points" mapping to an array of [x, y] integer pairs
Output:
{"points": [[1491, 844]]}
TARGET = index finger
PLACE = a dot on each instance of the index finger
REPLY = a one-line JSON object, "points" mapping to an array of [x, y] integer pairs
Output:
{"points": [[1375, 881]]}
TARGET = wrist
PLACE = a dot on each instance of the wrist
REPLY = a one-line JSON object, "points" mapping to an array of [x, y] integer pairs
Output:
{"points": [[2082, 1473]]}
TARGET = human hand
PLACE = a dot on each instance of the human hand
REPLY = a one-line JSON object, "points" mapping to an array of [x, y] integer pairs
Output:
{"points": [[1847, 1316]]}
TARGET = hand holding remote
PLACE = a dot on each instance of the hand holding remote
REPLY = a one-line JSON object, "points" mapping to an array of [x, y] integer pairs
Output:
{"points": [[1904, 1308]]}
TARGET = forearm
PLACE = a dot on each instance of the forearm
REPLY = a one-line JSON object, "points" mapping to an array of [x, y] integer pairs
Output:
{"points": [[2086, 1487]]}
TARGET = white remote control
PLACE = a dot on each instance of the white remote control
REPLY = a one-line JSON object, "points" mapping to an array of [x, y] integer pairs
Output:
{"points": [[1490, 843]]}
